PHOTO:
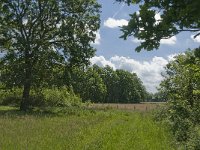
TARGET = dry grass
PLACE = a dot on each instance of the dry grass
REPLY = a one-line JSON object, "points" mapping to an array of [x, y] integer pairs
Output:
{"points": [[138, 107]]}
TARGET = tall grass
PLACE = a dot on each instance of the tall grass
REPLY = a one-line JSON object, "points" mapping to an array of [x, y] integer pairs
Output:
{"points": [[78, 129]]}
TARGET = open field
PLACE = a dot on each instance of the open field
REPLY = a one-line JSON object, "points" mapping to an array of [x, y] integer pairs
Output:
{"points": [[81, 129], [139, 107]]}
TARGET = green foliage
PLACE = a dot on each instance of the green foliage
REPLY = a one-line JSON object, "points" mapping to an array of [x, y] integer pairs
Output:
{"points": [[182, 85], [106, 85], [130, 87], [81, 129], [10, 97], [39, 37], [159, 96], [62, 97], [88, 84], [175, 17], [110, 79]]}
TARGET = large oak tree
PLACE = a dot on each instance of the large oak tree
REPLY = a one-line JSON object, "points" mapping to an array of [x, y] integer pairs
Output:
{"points": [[36, 35]]}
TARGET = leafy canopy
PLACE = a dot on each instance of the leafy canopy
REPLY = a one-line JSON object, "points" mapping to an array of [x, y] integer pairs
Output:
{"points": [[36, 36], [175, 16], [39, 36]]}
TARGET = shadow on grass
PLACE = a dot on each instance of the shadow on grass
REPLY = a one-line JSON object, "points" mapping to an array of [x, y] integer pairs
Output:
{"points": [[44, 111], [37, 112]]}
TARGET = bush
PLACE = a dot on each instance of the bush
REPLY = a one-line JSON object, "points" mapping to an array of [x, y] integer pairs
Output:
{"points": [[60, 97], [47, 97], [10, 97]]}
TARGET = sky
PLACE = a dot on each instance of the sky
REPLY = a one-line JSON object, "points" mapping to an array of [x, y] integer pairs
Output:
{"points": [[120, 54]]}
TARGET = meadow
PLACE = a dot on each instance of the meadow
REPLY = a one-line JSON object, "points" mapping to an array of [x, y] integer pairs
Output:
{"points": [[81, 129]]}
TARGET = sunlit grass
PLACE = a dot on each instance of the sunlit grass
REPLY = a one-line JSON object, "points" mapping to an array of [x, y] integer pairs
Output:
{"points": [[75, 129]]}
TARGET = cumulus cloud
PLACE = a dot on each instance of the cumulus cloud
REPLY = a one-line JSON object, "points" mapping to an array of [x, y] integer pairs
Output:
{"points": [[148, 71], [197, 39], [97, 39], [114, 23], [101, 61], [170, 41]]}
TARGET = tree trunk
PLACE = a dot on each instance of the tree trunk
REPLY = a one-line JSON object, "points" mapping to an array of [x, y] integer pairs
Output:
{"points": [[25, 103]]}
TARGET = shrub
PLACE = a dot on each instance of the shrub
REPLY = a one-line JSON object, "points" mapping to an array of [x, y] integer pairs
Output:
{"points": [[60, 97], [46, 97], [10, 97]]}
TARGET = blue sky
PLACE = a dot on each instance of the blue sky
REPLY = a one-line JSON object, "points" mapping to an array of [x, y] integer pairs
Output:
{"points": [[120, 54]]}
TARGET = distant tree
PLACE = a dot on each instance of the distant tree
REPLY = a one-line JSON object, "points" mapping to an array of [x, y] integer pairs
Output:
{"points": [[106, 85], [159, 96], [88, 84], [95, 86], [111, 79], [37, 34], [129, 87], [175, 17]]}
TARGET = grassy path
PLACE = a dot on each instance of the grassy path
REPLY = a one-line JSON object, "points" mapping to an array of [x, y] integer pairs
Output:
{"points": [[81, 130]]}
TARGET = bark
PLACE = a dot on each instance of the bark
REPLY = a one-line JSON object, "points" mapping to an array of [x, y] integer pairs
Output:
{"points": [[25, 103]]}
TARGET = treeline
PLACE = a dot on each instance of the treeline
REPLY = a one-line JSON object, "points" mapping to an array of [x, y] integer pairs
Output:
{"points": [[94, 83], [106, 85]]}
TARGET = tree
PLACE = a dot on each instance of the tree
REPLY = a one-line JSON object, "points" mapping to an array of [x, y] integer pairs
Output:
{"points": [[173, 17], [157, 97], [106, 85], [130, 87], [36, 34], [182, 87], [88, 84], [110, 79]]}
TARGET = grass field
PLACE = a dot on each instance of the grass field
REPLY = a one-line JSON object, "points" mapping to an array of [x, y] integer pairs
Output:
{"points": [[78, 129]]}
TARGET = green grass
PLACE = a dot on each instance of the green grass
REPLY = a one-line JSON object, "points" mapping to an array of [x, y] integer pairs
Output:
{"points": [[75, 129]]}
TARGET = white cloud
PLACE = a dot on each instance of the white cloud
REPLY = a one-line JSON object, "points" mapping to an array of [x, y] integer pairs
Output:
{"points": [[148, 71], [197, 39], [170, 41], [114, 23], [158, 18], [98, 38], [101, 61]]}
